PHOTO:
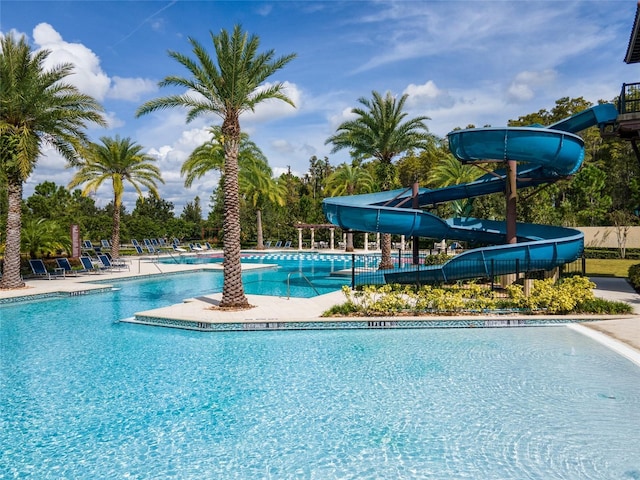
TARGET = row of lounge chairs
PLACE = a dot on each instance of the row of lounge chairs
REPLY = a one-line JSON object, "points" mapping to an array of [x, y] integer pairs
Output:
{"points": [[89, 265], [278, 244]]}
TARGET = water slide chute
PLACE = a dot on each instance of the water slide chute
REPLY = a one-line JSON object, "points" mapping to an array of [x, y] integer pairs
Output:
{"points": [[546, 155]]}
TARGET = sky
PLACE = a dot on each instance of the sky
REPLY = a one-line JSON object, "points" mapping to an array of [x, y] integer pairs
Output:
{"points": [[460, 63]]}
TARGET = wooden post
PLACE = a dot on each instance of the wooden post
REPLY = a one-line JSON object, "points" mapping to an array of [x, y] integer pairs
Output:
{"points": [[511, 196]]}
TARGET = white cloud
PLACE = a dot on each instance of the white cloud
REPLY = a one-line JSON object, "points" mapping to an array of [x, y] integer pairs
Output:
{"points": [[522, 88], [131, 89], [427, 95], [87, 75]]}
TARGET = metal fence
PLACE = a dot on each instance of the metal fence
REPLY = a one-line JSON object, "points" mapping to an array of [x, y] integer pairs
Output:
{"points": [[629, 100], [430, 269]]}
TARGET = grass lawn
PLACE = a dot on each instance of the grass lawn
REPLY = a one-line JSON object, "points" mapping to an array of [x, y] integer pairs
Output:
{"points": [[609, 267]]}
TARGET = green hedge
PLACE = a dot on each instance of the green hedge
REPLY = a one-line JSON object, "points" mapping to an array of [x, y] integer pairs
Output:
{"points": [[611, 253]]}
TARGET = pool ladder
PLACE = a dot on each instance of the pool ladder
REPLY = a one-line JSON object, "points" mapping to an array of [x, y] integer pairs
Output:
{"points": [[302, 275]]}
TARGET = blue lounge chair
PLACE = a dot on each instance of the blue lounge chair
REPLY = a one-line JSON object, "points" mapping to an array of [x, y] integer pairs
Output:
{"points": [[278, 244], [39, 269], [267, 244], [109, 265], [179, 249], [287, 244], [134, 242], [64, 264], [87, 246], [105, 244], [89, 265]]}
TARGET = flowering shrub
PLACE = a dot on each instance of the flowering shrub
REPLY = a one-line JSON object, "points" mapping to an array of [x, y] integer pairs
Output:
{"points": [[571, 294]]}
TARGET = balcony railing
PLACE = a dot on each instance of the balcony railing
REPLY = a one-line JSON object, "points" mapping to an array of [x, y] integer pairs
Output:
{"points": [[629, 100]]}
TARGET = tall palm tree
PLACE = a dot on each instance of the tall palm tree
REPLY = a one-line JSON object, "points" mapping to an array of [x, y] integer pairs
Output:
{"points": [[120, 161], [380, 132], [254, 173], [258, 187], [36, 109], [349, 180], [227, 89]]}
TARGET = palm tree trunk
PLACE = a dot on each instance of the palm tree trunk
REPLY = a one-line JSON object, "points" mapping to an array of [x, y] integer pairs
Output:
{"points": [[385, 260], [11, 277], [115, 233], [259, 228], [232, 288]]}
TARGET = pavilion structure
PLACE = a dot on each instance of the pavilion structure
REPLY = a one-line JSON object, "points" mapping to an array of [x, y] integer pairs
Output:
{"points": [[332, 229]]}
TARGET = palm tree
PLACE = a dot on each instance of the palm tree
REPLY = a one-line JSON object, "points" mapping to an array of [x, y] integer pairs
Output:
{"points": [[36, 108], [380, 132], [119, 160], [349, 180], [254, 173], [258, 187], [44, 236], [452, 172], [227, 89]]}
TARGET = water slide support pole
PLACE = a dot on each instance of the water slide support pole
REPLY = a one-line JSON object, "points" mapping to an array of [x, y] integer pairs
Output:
{"points": [[415, 244], [511, 196]]}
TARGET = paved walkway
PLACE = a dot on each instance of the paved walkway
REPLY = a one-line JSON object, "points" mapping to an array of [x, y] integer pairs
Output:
{"points": [[624, 329]]}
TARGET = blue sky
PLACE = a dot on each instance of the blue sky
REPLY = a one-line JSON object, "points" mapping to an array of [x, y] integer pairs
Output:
{"points": [[461, 62]]}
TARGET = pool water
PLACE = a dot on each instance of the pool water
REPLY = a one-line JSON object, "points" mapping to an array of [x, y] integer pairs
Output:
{"points": [[84, 397], [292, 274]]}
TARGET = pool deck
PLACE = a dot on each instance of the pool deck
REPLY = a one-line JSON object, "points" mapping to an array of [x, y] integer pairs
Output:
{"points": [[274, 312]]}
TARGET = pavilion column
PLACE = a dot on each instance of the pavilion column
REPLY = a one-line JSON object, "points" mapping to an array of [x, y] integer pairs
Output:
{"points": [[313, 236], [378, 241], [366, 242], [331, 240], [299, 239], [402, 242]]}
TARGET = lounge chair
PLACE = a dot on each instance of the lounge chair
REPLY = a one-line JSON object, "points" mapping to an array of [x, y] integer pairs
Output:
{"points": [[195, 248], [89, 265], [105, 244], [87, 246], [287, 244], [153, 250], [176, 248], [134, 242], [267, 244], [108, 265], [278, 244], [39, 269], [208, 245], [66, 266]]}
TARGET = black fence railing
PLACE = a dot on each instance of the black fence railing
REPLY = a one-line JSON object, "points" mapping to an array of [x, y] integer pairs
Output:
{"points": [[429, 270], [629, 101]]}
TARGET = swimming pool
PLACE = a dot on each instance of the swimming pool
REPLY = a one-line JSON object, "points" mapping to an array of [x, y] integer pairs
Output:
{"points": [[301, 275], [85, 397]]}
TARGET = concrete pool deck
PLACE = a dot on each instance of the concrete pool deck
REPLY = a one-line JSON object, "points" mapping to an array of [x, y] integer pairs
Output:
{"points": [[279, 310]]}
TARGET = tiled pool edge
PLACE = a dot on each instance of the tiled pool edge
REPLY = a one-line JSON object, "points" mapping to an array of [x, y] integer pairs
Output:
{"points": [[57, 294], [347, 324]]}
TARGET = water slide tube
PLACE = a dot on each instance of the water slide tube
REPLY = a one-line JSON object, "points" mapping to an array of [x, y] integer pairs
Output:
{"points": [[545, 154]]}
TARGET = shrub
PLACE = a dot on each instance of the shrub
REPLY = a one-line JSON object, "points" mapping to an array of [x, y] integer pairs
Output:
{"points": [[569, 295], [634, 276]]}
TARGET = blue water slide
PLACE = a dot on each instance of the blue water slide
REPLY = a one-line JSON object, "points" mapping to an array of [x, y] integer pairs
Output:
{"points": [[545, 155]]}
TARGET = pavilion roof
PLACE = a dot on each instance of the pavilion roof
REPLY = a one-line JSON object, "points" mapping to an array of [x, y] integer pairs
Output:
{"points": [[633, 50]]}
